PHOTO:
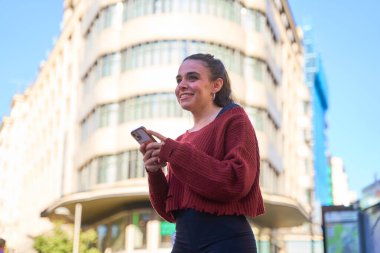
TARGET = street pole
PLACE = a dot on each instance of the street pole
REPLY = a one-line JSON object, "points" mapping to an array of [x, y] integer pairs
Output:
{"points": [[77, 225]]}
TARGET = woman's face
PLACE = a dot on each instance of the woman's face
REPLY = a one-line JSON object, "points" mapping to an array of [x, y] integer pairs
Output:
{"points": [[194, 87]]}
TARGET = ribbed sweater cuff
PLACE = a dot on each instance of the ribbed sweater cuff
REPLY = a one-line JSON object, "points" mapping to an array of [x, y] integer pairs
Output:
{"points": [[156, 177], [167, 149]]}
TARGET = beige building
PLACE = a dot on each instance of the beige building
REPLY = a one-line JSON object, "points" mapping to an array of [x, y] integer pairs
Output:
{"points": [[113, 67]]}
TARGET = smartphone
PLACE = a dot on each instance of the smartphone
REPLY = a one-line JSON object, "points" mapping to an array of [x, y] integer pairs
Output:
{"points": [[141, 135]]}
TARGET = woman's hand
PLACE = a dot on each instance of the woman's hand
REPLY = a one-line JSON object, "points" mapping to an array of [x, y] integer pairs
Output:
{"points": [[151, 153]]}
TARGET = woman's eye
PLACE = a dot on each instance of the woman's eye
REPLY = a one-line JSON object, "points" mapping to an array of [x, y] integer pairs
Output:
{"points": [[193, 78], [178, 80]]}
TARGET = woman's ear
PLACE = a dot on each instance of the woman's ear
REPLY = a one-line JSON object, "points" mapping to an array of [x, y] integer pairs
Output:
{"points": [[217, 85]]}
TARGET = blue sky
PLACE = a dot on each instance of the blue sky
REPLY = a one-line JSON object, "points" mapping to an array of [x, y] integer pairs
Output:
{"points": [[346, 33]]}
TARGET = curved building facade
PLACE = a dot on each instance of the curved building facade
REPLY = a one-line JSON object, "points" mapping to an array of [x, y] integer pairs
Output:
{"points": [[114, 67]]}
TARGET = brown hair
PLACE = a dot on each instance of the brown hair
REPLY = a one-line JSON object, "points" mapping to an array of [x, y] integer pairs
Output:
{"points": [[217, 70]]}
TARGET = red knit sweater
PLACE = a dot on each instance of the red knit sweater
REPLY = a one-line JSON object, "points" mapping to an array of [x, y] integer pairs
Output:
{"points": [[215, 170]]}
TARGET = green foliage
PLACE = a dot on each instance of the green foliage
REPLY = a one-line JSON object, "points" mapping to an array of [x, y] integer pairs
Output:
{"points": [[59, 241], [88, 242]]}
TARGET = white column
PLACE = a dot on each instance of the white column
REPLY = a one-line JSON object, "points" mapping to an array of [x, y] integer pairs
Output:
{"points": [[153, 235], [130, 235], [77, 225]]}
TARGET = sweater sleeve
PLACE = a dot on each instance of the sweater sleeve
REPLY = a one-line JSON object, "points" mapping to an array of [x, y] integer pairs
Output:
{"points": [[158, 191], [228, 179]]}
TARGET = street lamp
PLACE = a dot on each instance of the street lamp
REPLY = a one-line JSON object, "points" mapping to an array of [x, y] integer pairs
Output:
{"points": [[77, 222]]}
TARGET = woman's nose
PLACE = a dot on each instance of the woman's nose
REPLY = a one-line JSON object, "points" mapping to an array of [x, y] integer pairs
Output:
{"points": [[182, 84]]}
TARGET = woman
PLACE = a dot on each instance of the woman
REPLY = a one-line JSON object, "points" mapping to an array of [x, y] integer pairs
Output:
{"points": [[213, 168]]}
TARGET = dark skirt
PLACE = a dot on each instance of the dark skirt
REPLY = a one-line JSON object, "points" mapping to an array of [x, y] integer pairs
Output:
{"points": [[198, 232]]}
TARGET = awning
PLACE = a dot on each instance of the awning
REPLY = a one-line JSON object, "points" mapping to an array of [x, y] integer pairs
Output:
{"points": [[281, 212], [100, 203]]}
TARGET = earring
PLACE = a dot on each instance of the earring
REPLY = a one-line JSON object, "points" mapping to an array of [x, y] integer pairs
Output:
{"points": [[213, 96]]}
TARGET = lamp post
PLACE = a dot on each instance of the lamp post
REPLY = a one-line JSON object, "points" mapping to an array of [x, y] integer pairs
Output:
{"points": [[77, 222]]}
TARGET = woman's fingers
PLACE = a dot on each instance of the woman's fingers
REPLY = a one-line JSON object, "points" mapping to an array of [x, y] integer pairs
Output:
{"points": [[150, 159], [154, 168], [156, 152], [143, 148], [153, 164], [158, 135], [153, 145], [148, 155], [156, 147], [149, 145], [151, 152]]}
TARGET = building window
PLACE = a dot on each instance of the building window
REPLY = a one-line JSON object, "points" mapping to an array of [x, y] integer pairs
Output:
{"points": [[135, 165], [102, 237], [109, 64], [107, 169], [111, 169], [159, 53], [112, 235], [269, 178], [167, 234], [159, 105], [260, 72], [264, 246], [140, 221], [108, 114], [256, 117], [117, 237], [226, 9], [123, 166], [106, 18], [250, 19]]}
